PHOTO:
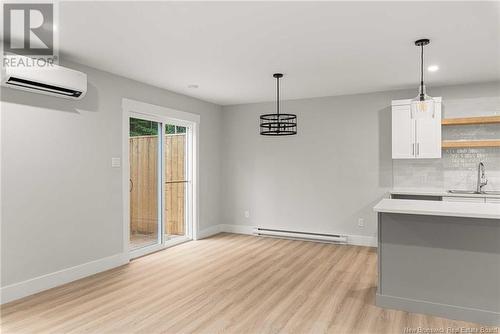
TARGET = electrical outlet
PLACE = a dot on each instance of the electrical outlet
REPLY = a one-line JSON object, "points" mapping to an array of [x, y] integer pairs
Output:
{"points": [[361, 223], [247, 214]]}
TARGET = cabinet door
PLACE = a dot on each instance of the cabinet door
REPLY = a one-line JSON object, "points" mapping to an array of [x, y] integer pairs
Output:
{"points": [[428, 135], [403, 134]]}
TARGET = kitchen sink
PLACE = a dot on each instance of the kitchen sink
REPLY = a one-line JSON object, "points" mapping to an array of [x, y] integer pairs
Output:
{"points": [[463, 192], [472, 192], [481, 182], [493, 192]]}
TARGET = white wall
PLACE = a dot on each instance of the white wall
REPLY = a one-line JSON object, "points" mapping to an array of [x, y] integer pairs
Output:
{"points": [[331, 173], [61, 200], [321, 180]]}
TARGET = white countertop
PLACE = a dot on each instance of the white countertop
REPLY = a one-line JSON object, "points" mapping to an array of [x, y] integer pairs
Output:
{"points": [[439, 208], [437, 192]]}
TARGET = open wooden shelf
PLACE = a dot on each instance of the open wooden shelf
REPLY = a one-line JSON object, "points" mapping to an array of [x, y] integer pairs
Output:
{"points": [[471, 120], [470, 143]]}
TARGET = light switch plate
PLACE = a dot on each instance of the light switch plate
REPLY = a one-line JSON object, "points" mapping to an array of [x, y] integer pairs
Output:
{"points": [[115, 162]]}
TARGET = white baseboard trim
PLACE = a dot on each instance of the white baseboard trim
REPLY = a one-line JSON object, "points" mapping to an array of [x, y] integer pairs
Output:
{"points": [[208, 232], [361, 240], [239, 229], [31, 286], [357, 240]]}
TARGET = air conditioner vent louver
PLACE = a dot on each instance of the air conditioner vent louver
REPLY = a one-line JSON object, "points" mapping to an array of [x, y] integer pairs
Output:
{"points": [[43, 87]]}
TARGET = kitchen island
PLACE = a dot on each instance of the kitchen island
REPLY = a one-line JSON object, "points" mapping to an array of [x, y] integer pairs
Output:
{"points": [[440, 258]]}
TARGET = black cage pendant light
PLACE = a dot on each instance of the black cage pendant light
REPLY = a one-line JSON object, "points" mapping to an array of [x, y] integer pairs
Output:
{"points": [[278, 124]]}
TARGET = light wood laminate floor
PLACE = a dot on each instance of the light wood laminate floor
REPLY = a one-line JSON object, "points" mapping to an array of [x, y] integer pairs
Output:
{"points": [[227, 283]]}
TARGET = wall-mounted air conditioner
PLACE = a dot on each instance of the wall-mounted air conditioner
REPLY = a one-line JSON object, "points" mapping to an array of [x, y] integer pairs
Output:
{"points": [[51, 80]]}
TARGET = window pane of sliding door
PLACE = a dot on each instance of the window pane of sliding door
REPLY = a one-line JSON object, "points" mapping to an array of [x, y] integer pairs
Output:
{"points": [[176, 181], [145, 169]]}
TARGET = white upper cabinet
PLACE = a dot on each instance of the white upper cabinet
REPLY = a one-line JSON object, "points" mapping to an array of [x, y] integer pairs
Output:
{"points": [[403, 135], [415, 137]]}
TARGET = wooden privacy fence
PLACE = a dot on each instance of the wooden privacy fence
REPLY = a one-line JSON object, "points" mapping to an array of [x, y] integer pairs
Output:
{"points": [[143, 157]]}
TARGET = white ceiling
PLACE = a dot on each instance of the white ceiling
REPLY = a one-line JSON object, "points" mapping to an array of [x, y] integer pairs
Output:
{"points": [[231, 49]]}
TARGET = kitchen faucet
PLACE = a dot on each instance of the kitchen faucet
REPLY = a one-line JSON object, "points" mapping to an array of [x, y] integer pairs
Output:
{"points": [[481, 178]]}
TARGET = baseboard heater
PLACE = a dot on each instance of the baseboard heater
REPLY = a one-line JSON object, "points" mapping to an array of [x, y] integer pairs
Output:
{"points": [[334, 238]]}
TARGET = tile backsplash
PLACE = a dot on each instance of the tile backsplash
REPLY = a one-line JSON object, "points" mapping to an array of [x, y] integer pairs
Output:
{"points": [[457, 169]]}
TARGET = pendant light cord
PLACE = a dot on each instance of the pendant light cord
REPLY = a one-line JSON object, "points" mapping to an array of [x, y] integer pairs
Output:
{"points": [[278, 96], [422, 72]]}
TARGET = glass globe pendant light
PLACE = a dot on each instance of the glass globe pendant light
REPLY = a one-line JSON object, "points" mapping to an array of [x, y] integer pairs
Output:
{"points": [[422, 106]]}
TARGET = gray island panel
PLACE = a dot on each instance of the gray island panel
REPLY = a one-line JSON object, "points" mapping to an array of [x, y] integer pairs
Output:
{"points": [[440, 265]]}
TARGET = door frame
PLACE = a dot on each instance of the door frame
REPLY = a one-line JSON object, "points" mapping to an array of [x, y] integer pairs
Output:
{"points": [[161, 114]]}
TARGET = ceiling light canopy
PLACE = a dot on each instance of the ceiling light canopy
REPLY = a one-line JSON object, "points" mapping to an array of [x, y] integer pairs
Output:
{"points": [[423, 104], [278, 124]]}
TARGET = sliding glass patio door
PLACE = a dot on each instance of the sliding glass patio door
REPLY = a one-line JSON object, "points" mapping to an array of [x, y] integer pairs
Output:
{"points": [[160, 168], [177, 183], [145, 147]]}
